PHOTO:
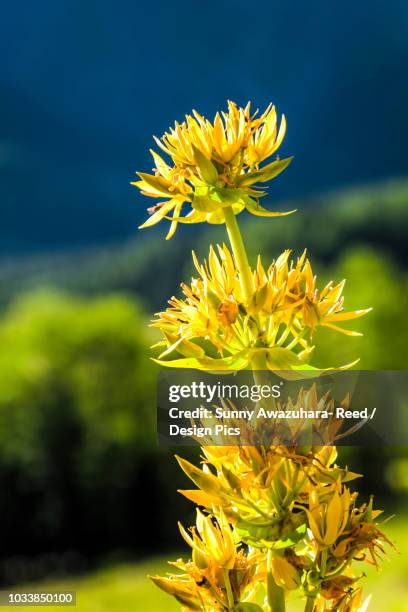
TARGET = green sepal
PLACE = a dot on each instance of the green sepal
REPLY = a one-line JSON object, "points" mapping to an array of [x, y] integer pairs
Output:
{"points": [[159, 184], [230, 477], [194, 216], [257, 300], [266, 173], [282, 359], [259, 211], [207, 169], [207, 198], [184, 347], [159, 214], [203, 203], [232, 363], [206, 482], [258, 535], [292, 538]]}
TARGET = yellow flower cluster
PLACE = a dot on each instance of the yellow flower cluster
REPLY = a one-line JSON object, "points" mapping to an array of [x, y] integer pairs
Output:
{"points": [[214, 165], [215, 327], [219, 576], [259, 488], [295, 503], [286, 510]]}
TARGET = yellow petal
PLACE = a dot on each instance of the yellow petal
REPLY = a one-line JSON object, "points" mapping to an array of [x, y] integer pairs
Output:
{"points": [[159, 214], [334, 517]]}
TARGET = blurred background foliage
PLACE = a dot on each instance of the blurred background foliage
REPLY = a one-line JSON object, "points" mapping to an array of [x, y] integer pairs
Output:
{"points": [[76, 419]]}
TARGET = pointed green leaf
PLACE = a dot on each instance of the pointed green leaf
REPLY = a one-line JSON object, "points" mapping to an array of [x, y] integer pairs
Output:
{"points": [[260, 211], [156, 183], [203, 203], [207, 169], [281, 359], [266, 173], [205, 481], [194, 216], [186, 362], [232, 363], [159, 214]]}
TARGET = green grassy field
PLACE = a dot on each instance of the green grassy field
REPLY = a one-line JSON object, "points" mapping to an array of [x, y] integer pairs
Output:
{"points": [[125, 586]]}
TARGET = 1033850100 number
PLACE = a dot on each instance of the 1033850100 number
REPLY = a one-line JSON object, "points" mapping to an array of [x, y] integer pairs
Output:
{"points": [[37, 598]]}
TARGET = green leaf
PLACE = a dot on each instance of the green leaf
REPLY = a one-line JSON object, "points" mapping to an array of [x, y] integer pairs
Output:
{"points": [[154, 183], [292, 538], [257, 300], [325, 371], [235, 362], [159, 214], [194, 216], [206, 199], [185, 347], [186, 362], [203, 203], [258, 535], [190, 349], [270, 171], [207, 482], [231, 195], [230, 477], [207, 169], [266, 173], [259, 211], [160, 164], [281, 359]]}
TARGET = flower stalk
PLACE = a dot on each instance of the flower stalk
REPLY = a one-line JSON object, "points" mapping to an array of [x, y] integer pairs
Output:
{"points": [[310, 604], [230, 595], [272, 518], [276, 594], [239, 251]]}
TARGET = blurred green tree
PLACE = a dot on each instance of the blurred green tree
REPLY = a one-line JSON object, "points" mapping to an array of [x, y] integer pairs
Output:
{"points": [[76, 417], [373, 280]]}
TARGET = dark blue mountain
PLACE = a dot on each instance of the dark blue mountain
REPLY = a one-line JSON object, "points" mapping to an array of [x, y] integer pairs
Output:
{"points": [[83, 86]]}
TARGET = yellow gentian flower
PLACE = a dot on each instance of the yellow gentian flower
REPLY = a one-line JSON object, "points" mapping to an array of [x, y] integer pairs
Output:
{"points": [[212, 539], [285, 575], [214, 165], [353, 602], [328, 519], [276, 322]]}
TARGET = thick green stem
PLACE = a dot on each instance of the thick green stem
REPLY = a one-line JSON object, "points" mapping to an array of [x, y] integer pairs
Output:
{"points": [[276, 595], [230, 595], [238, 249], [323, 562], [310, 604]]}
